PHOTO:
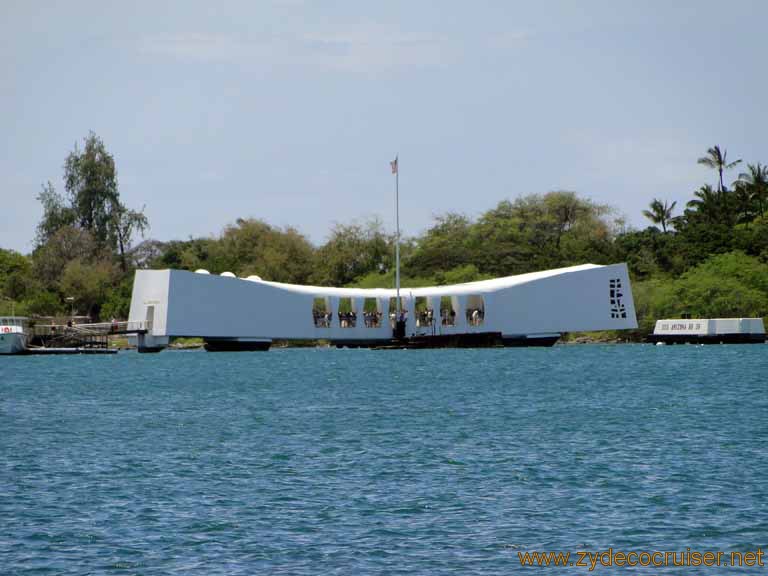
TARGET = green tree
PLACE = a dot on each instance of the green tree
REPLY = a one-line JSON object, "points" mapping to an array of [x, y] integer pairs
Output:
{"points": [[718, 160], [126, 223], [752, 238], [91, 181], [660, 213], [180, 254], [352, 251], [459, 275], [117, 301], [500, 241], [15, 274], [530, 233], [56, 214], [44, 303], [93, 203], [565, 209], [650, 253], [88, 284], [67, 244], [706, 203], [743, 203], [725, 285], [247, 247], [755, 181], [447, 244]]}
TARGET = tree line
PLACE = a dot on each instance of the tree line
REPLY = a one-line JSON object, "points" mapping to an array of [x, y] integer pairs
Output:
{"points": [[709, 260]]}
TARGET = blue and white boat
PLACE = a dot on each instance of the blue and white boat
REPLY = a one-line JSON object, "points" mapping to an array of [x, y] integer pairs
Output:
{"points": [[14, 334]]}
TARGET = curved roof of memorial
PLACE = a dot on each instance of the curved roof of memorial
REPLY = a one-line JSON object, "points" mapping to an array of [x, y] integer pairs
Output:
{"points": [[478, 287]]}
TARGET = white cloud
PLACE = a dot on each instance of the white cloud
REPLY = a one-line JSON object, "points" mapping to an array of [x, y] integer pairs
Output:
{"points": [[509, 40], [198, 47], [369, 46], [375, 47]]}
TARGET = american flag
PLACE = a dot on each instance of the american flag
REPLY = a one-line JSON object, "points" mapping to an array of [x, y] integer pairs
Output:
{"points": [[393, 164]]}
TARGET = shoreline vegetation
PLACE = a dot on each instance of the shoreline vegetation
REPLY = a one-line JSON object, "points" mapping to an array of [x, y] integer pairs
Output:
{"points": [[707, 259]]}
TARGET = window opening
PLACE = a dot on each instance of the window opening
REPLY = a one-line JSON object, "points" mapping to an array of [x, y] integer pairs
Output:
{"points": [[475, 310], [447, 311], [321, 312], [372, 312], [347, 314], [424, 314], [393, 310]]}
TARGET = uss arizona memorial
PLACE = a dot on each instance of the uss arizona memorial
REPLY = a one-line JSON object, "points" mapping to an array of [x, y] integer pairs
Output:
{"points": [[232, 313]]}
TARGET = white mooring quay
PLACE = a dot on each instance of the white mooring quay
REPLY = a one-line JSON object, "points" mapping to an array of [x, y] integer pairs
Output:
{"points": [[232, 313], [708, 331]]}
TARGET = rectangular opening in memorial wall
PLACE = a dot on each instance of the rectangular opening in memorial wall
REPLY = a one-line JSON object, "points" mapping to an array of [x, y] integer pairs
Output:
{"points": [[475, 310], [393, 310], [424, 314], [347, 314], [447, 311], [372, 313], [321, 312]]}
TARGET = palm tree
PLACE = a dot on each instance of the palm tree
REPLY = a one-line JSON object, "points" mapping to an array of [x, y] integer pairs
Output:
{"points": [[660, 212], [706, 203], [756, 183], [717, 160], [744, 202]]}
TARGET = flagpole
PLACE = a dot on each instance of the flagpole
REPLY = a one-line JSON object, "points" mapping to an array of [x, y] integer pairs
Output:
{"points": [[397, 235]]}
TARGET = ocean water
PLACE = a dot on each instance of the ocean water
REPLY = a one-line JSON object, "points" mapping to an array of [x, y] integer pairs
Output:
{"points": [[318, 461]]}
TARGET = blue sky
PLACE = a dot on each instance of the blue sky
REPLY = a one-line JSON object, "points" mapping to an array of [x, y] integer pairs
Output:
{"points": [[290, 111]]}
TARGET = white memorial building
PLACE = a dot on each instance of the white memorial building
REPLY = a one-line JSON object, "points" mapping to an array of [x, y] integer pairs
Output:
{"points": [[232, 313]]}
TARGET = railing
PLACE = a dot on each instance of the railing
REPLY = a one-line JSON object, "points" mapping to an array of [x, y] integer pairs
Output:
{"points": [[95, 329], [475, 317], [322, 319], [448, 319], [372, 319], [347, 319], [72, 340], [425, 319]]}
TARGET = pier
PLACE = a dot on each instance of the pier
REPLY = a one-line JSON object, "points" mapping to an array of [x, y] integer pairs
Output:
{"points": [[80, 338]]}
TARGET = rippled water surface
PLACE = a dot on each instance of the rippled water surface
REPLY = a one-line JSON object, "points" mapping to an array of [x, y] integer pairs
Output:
{"points": [[390, 462]]}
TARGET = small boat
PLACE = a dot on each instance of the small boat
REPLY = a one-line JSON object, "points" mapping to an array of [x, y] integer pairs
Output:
{"points": [[14, 334], [708, 331]]}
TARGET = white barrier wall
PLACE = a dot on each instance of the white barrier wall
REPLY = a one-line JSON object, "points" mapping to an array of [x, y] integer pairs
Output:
{"points": [[573, 301], [149, 299], [708, 326]]}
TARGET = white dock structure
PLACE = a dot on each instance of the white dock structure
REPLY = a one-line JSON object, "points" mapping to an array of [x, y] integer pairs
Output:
{"points": [[708, 331], [232, 313]]}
